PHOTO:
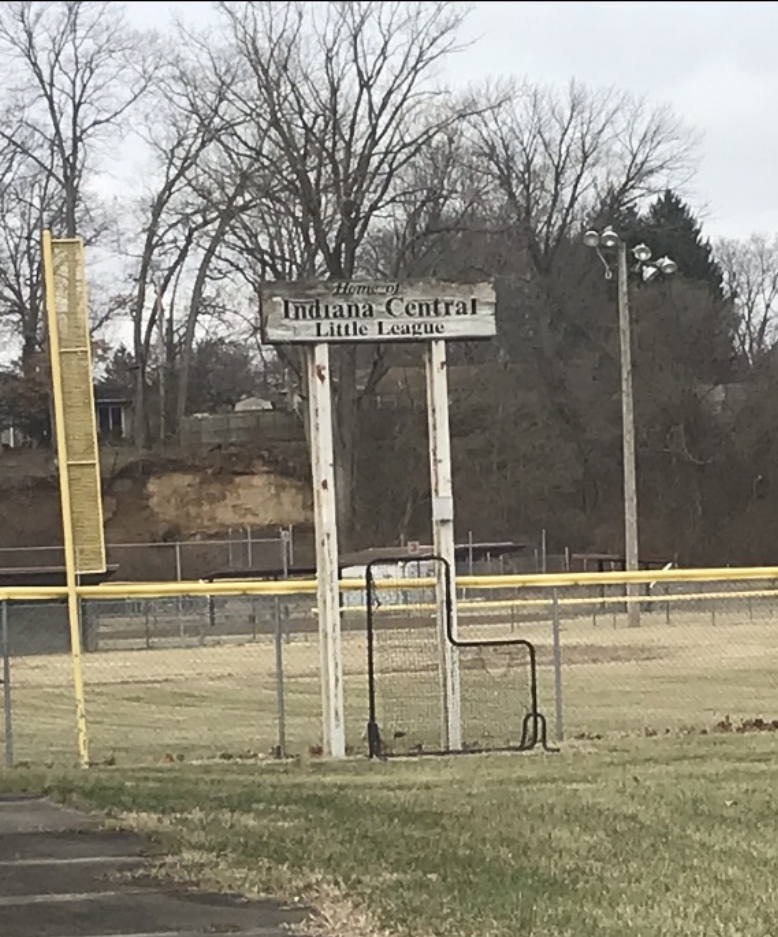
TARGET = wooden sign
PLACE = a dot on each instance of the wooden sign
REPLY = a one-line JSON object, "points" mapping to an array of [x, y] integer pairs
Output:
{"points": [[376, 311]]}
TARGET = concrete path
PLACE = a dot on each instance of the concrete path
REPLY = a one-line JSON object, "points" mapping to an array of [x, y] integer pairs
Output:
{"points": [[60, 876]]}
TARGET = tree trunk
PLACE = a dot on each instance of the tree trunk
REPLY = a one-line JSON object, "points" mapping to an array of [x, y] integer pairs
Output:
{"points": [[140, 423], [195, 304], [71, 205], [161, 353], [29, 346]]}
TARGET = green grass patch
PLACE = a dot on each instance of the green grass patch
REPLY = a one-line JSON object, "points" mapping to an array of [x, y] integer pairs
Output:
{"points": [[666, 837]]}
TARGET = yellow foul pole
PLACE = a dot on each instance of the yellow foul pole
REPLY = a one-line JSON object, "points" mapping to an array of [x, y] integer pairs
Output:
{"points": [[65, 498]]}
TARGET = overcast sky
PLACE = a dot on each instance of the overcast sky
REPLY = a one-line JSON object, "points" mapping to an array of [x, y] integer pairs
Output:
{"points": [[715, 63]]}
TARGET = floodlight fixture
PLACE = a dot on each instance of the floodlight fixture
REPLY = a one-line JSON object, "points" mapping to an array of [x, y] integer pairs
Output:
{"points": [[591, 238], [641, 253], [667, 266], [609, 238]]}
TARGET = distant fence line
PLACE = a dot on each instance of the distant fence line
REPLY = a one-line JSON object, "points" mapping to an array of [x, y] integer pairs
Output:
{"points": [[247, 547], [174, 560]]}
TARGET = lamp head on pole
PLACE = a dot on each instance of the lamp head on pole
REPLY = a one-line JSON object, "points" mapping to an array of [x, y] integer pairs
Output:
{"points": [[641, 253], [610, 238], [591, 238], [664, 265]]}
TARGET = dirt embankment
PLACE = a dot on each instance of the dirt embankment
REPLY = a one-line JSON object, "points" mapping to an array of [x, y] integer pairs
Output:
{"points": [[156, 498]]}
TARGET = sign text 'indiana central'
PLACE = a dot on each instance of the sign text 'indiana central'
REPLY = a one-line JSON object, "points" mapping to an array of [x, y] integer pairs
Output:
{"points": [[371, 311]]}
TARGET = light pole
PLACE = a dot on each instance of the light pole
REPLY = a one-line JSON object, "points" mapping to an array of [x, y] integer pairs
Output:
{"points": [[610, 239]]}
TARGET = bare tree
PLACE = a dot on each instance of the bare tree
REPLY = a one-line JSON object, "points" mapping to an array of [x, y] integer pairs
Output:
{"points": [[223, 186], [78, 69], [440, 201], [184, 121], [751, 280], [28, 196], [24, 194], [560, 159], [342, 96]]}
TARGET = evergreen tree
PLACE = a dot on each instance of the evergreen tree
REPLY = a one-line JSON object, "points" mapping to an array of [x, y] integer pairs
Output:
{"points": [[670, 229]]}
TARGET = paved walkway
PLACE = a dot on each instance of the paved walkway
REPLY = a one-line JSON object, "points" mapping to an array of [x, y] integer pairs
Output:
{"points": [[58, 878]]}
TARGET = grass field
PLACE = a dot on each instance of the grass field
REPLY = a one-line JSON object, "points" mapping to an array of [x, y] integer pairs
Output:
{"points": [[661, 837], [209, 699]]}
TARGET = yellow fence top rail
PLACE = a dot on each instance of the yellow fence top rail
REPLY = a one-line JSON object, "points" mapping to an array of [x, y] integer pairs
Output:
{"points": [[226, 587]]}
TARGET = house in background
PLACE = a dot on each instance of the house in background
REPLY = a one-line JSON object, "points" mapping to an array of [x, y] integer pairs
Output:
{"points": [[253, 404], [11, 437], [113, 410]]}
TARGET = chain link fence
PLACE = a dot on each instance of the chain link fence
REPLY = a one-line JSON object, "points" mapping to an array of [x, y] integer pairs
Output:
{"points": [[232, 677], [175, 560]]}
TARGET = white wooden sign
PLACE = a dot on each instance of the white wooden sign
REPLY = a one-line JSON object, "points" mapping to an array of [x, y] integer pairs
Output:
{"points": [[376, 311]]}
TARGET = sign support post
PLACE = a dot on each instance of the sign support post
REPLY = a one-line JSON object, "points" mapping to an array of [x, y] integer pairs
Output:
{"points": [[319, 313], [327, 570], [443, 539]]}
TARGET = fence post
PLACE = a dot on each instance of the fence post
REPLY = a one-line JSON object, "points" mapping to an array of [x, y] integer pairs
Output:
{"points": [[9, 745], [286, 552], [146, 625], [179, 578], [211, 618], [88, 629], [558, 713], [253, 598], [280, 700]]}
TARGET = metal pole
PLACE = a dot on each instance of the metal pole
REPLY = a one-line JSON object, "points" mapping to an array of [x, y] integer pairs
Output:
{"points": [[253, 599], [470, 552], [443, 537], [179, 578], [9, 745], [280, 700], [160, 310], [543, 551], [631, 556], [285, 553], [326, 523], [558, 712]]}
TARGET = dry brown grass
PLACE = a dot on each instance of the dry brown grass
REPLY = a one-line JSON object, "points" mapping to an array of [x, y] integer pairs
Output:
{"points": [[221, 699]]}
